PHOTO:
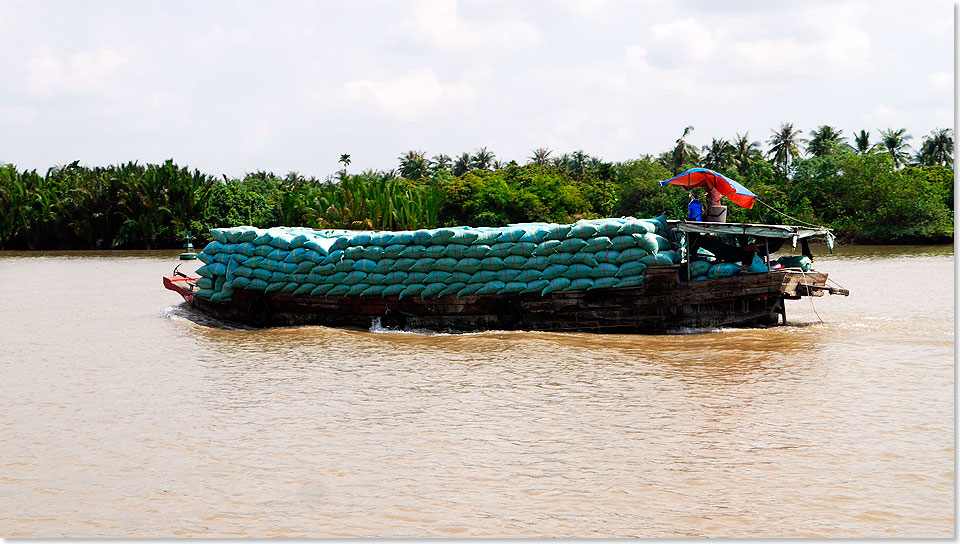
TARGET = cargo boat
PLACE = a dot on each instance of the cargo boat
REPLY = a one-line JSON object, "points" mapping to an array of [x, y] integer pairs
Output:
{"points": [[667, 299]]}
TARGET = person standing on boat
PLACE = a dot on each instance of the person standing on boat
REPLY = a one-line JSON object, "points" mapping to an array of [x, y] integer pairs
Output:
{"points": [[694, 209]]}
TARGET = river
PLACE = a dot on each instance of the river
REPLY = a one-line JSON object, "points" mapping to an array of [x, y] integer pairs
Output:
{"points": [[123, 414]]}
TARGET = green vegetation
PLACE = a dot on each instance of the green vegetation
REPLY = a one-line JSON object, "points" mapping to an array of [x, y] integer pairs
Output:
{"points": [[872, 193]]}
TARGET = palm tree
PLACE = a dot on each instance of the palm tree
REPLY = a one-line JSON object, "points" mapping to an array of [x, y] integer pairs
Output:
{"points": [[719, 155], [345, 159], [483, 159], [937, 148], [862, 141], [895, 143], [541, 157], [684, 152], [441, 162], [785, 146], [578, 162], [745, 152], [462, 165], [825, 140], [413, 165]]}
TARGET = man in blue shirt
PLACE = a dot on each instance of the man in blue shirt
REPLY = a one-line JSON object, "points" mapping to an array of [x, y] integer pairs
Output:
{"points": [[695, 209]]}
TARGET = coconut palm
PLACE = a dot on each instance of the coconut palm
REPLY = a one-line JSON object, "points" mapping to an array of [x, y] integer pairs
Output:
{"points": [[825, 140], [862, 142], [785, 146], [684, 152], [483, 159], [441, 162], [937, 148], [413, 165], [345, 159], [541, 157], [745, 152], [462, 165], [895, 144], [719, 155]]}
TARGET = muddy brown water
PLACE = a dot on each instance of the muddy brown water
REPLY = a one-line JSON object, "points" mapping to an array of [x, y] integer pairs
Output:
{"points": [[124, 414]]}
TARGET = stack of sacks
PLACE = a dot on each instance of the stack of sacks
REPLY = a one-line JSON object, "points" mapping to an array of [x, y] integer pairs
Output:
{"points": [[703, 270], [519, 258]]}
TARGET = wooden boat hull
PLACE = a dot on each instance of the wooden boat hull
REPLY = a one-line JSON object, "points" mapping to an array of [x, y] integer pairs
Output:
{"points": [[661, 303]]}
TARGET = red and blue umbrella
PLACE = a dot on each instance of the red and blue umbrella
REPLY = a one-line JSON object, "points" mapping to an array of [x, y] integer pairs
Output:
{"points": [[703, 177]]}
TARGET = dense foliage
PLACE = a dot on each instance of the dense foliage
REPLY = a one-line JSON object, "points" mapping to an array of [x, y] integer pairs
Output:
{"points": [[864, 192]]}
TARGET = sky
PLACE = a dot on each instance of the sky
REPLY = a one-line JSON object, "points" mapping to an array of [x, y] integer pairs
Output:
{"points": [[230, 87]]}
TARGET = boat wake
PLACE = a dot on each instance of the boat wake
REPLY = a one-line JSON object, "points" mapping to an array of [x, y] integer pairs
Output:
{"points": [[185, 312]]}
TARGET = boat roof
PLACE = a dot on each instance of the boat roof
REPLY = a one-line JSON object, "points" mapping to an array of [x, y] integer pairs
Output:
{"points": [[792, 232]]}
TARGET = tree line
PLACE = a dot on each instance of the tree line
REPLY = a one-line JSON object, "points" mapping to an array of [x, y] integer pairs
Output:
{"points": [[869, 191]]}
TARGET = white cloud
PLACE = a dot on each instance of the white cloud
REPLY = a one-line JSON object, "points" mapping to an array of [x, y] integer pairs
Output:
{"points": [[86, 71], [411, 96], [941, 80], [438, 23], [683, 41]]}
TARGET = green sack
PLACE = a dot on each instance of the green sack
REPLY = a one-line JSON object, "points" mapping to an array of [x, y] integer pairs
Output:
{"points": [[723, 270], [512, 235], [381, 239], [555, 284], [437, 276], [394, 278], [528, 276], [461, 277], [403, 237], [577, 271], [668, 257], [374, 253], [376, 279], [630, 281], [415, 277], [262, 274], [608, 227], [413, 252], [636, 227], [385, 266], [536, 263], [393, 251], [365, 265], [412, 290], [468, 265], [604, 283], [205, 283], [583, 258], [422, 237], [491, 263], [452, 289], [622, 242], [699, 268], [491, 287], [393, 290], [463, 237], [357, 289], [423, 265], [373, 290], [501, 249], [445, 264], [512, 287], [554, 271], [486, 237], [321, 289], [579, 284], [353, 252], [403, 264], [434, 252], [477, 251], [454, 251], [663, 244], [334, 278], [597, 243], [338, 290], [557, 232], [515, 261], [582, 230], [535, 235], [523, 249], [571, 245], [631, 268], [274, 287], [304, 289], [354, 278], [546, 248], [796, 261], [432, 290], [470, 289], [535, 286], [605, 270], [566, 259], [632, 254], [442, 236]]}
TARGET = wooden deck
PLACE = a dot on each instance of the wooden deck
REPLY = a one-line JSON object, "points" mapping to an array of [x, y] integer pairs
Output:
{"points": [[661, 303]]}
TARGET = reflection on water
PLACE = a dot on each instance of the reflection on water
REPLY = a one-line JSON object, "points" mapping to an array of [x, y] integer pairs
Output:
{"points": [[126, 414]]}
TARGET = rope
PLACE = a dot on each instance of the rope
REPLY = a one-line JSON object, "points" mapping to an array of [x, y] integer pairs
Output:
{"points": [[802, 273], [789, 216]]}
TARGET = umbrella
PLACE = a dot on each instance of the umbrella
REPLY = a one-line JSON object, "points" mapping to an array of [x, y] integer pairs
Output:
{"points": [[702, 177]]}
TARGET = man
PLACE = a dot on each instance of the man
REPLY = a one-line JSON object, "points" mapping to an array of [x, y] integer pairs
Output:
{"points": [[694, 209]]}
